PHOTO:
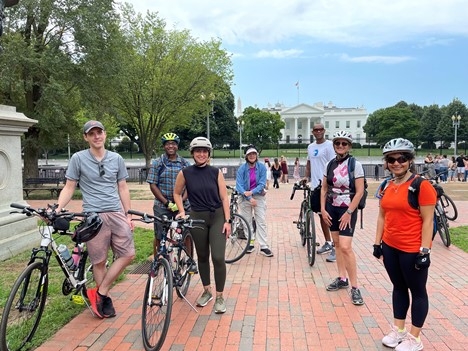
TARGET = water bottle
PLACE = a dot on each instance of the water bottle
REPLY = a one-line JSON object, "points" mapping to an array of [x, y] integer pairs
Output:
{"points": [[76, 255], [66, 257]]}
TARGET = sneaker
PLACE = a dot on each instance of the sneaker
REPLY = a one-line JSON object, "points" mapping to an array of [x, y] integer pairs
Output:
{"points": [[266, 252], [250, 249], [108, 307], [356, 297], [410, 343], [332, 256], [220, 305], [394, 337], [204, 299], [327, 247], [193, 269], [96, 302], [337, 284]]}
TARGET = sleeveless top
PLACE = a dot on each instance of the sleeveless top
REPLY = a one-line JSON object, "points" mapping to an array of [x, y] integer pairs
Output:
{"points": [[202, 187]]}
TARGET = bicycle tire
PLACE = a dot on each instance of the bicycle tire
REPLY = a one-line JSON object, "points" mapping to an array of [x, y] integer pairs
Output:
{"points": [[303, 222], [310, 235], [239, 240], [450, 209], [24, 307], [184, 262], [157, 305], [442, 226]]}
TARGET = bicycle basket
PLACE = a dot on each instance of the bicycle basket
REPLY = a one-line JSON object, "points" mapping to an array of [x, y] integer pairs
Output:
{"points": [[88, 228]]}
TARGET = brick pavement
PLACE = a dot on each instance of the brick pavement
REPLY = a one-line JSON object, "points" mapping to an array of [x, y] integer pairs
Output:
{"points": [[280, 303]]}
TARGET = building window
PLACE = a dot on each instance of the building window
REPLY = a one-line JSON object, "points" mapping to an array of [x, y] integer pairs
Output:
{"points": [[348, 124], [287, 125], [337, 124], [327, 124], [358, 124], [299, 125], [358, 138]]}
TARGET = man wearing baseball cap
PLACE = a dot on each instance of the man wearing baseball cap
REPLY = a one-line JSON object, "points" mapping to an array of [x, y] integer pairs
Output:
{"points": [[102, 175], [251, 182]]}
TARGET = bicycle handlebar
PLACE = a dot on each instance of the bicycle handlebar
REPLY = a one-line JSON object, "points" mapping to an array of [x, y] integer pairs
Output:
{"points": [[299, 185], [147, 218]]}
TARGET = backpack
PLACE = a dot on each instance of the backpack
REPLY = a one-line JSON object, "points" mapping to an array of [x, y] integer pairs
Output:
{"points": [[413, 193]]}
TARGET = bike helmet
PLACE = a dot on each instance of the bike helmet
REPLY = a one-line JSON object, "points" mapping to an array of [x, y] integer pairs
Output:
{"points": [[398, 144], [343, 134], [170, 137], [201, 142], [88, 228]]}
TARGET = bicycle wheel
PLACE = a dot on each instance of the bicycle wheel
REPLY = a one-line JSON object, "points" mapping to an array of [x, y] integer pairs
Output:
{"points": [[451, 211], [310, 237], [442, 226], [184, 262], [157, 305], [239, 240], [24, 307], [303, 222]]}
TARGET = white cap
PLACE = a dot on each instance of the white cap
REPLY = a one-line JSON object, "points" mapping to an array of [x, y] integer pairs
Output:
{"points": [[250, 151]]}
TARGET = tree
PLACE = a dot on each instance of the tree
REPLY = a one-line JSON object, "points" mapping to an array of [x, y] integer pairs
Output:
{"points": [[162, 74], [429, 122], [261, 128], [445, 127], [43, 67]]}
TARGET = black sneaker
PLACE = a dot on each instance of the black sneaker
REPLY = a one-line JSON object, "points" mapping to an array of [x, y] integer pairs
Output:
{"points": [[266, 252], [108, 307], [356, 296], [337, 284], [250, 249]]}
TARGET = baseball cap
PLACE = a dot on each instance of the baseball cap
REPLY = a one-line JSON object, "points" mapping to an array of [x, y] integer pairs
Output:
{"points": [[92, 124]]}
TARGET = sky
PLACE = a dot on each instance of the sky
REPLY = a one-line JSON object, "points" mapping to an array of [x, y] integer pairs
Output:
{"points": [[353, 53]]}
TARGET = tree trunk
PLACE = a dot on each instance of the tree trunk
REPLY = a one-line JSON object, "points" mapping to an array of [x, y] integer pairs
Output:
{"points": [[31, 154]]}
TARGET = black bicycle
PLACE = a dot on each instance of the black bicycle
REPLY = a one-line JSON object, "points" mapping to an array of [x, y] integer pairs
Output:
{"points": [[241, 234], [172, 267], [446, 202], [25, 304], [306, 222], [441, 224]]}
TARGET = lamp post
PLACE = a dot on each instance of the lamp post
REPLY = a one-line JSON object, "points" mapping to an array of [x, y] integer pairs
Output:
{"points": [[456, 124], [211, 98], [240, 127]]}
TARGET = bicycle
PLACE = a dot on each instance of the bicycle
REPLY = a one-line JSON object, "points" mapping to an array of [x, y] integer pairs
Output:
{"points": [[441, 224], [172, 267], [26, 302], [306, 222], [448, 205], [241, 234]]}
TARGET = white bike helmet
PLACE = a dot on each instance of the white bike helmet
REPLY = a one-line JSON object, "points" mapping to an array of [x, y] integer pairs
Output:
{"points": [[343, 134], [201, 142], [398, 144]]}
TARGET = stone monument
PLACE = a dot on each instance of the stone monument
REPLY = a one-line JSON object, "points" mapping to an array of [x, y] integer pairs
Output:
{"points": [[17, 232]]}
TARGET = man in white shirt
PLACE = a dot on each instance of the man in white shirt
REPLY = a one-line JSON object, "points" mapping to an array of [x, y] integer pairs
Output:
{"points": [[319, 153]]}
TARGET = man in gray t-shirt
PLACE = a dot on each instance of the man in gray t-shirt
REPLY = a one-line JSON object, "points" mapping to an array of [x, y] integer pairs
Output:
{"points": [[102, 177], [319, 153]]}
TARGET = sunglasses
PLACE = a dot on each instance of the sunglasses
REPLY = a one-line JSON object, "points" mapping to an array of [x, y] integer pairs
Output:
{"points": [[400, 159], [318, 129], [342, 143], [101, 170]]}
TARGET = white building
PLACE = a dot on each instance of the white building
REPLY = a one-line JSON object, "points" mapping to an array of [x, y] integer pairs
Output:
{"points": [[299, 121]]}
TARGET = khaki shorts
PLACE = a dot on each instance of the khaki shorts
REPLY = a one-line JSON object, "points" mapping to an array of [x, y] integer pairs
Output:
{"points": [[115, 233]]}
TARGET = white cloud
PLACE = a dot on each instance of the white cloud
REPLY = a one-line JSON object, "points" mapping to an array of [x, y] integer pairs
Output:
{"points": [[376, 59], [357, 22], [278, 54]]}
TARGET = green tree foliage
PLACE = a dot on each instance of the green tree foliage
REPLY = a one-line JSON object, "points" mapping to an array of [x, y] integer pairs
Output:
{"points": [[44, 65], [429, 123], [261, 127], [162, 75]]}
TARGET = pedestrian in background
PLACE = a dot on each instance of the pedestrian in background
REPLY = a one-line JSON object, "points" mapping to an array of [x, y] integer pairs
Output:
{"points": [[268, 173], [404, 238], [209, 201], [276, 172], [284, 170], [296, 169]]}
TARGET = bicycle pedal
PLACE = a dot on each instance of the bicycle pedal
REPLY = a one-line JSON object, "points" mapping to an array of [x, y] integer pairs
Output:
{"points": [[77, 299]]}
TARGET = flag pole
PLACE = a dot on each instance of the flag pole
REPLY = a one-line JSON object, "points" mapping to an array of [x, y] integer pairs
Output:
{"points": [[297, 86]]}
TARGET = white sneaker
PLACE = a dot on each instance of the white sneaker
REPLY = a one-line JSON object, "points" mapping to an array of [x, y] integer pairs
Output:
{"points": [[393, 338], [410, 344]]}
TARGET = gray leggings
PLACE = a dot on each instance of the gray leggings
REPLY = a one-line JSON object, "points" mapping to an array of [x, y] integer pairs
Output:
{"points": [[211, 235]]}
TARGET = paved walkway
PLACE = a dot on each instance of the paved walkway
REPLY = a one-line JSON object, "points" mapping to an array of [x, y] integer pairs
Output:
{"points": [[280, 303]]}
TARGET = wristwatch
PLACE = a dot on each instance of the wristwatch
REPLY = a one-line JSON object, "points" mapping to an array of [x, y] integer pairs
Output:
{"points": [[348, 211], [424, 250], [228, 221]]}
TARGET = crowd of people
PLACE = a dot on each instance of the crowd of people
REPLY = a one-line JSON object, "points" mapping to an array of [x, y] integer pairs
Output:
{"points": [[199, 189]]}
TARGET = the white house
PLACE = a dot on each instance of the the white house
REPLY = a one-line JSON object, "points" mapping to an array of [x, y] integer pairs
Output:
{"points": [[300, 119]]}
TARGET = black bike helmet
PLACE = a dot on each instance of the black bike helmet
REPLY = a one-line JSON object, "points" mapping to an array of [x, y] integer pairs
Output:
{"points": [[88, 228], [170, 137]]}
